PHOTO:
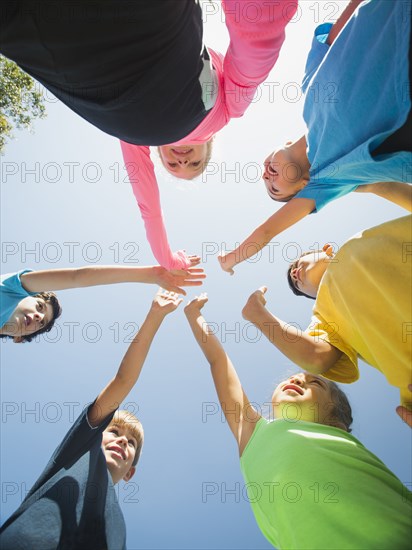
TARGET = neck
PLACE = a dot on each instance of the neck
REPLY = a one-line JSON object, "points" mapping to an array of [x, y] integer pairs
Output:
{"points": [[298, 153]]}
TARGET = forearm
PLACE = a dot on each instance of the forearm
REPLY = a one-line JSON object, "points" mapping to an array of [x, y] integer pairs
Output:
{"points": [[314, 356], [240, 415], [61, 279], [394, 191], [285, 217], [207, 341], [129, 371], [343, 19]]}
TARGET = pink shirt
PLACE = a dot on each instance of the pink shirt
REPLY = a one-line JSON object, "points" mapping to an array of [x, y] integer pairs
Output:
{"points": [[257, 32]]}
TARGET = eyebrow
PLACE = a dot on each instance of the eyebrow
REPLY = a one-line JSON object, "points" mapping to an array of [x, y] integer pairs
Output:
{"points": [[319, 379]]}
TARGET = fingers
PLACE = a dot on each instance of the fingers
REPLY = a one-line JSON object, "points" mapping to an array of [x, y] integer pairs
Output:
{"points": [[179, 290], [263, 289], [170, 294]]}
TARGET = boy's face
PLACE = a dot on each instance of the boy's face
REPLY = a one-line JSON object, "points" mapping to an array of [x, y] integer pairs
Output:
{"points": [[119, 448], [282, 176], [307, 272], [184, 161], [31, 315], [303, 396]]}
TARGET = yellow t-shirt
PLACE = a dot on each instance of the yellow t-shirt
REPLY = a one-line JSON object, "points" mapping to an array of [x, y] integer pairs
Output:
{"points": [[364, 304]]}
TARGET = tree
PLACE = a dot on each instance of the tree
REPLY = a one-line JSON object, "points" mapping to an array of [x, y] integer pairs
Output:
{"points": [[20, 102]]}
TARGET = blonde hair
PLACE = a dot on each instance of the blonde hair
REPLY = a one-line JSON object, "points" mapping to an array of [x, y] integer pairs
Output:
{"points": [[125, 419]]}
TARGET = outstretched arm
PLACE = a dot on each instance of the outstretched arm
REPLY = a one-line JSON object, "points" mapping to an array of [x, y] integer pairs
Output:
{"points": [[394, 191], [61, 279], [285, 217], [131, 366], [143, 180], [343, 19], [316, 356], [255, 43], [239, 413]]}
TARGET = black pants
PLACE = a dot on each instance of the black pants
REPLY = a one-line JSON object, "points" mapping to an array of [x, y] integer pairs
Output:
{"points": [[401, 140], [130, 68]]}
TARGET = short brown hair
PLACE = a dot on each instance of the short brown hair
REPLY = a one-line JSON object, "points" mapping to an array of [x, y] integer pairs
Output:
{"points": [[125, 419]]}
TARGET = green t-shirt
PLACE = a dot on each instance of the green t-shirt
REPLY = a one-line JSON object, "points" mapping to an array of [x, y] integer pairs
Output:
{"points": [[315, 486]]}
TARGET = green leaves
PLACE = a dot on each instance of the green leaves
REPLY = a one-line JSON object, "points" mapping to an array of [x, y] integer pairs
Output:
{"points": [[20, 101]]}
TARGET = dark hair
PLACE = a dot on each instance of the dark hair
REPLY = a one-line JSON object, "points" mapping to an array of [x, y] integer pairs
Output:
{"points": [[342, 410], [291, 284], [49, 298]]}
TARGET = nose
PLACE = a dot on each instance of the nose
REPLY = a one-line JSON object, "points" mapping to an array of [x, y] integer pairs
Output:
{"points": [[296, 380], [38, 316], [183, 161], [293, 273], [122, 440]]}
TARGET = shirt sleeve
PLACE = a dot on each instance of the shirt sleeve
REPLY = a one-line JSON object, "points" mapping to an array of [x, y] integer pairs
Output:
{"points": [[346, 367], [316, 54], [325, 191], [257, 32], [11, 282], [77, 442], [142, 177]]}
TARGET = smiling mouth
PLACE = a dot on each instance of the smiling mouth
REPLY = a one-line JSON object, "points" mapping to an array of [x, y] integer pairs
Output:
{"points": [[118, 452], [182, 152], [297, 389]]}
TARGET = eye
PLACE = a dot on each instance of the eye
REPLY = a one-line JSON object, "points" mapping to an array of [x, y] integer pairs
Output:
{"points": [[40, 305], [172, 164], [114, 431], [132, 442], [272, 170], [195, 164], [314, 381]]}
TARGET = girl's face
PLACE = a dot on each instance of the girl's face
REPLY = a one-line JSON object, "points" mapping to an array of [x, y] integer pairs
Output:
{"points": [[303, 396], [184, 161], [307, 272]]}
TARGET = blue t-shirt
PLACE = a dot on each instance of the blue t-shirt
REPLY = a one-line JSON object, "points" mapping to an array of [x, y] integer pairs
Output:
{"points": [[73, 505], [357, 95], [11, 292]]}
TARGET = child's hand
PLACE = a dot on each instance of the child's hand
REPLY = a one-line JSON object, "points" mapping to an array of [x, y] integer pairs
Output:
{"points": [[224, 263], [194, 260], [196, 304], [165, 302], [405, 413], [256, 302], [173, 280]]}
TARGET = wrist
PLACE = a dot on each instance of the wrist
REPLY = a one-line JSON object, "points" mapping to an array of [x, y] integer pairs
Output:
{"points": [[252, 312], [192, 312], [156, 313]]}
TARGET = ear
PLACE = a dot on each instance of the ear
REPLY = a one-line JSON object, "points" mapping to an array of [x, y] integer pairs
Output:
{"points": [[18, 340], [129, 474]]}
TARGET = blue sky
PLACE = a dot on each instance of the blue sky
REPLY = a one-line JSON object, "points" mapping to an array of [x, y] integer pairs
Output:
{"points": [[66, 202]]}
